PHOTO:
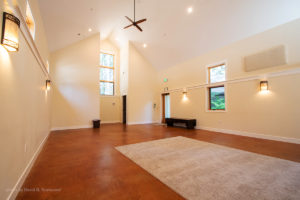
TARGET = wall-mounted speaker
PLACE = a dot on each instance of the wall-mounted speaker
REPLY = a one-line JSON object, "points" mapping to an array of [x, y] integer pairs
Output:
{"points": [[270, 58]]}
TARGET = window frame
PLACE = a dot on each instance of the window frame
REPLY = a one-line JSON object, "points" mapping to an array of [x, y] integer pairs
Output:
{"points": [[209, 67], [215, 85], [30, 21], [209, 98], [113, 68]]}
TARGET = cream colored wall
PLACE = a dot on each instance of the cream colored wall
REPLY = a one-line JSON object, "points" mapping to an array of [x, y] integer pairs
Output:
{"points": [[124, 65], [110, 109], [276, 113], [110, 106], [24, 105], [75, 73], [143, 90]]}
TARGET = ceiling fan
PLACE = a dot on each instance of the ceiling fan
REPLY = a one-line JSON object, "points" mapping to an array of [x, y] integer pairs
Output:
{"points": [[135, 23]]}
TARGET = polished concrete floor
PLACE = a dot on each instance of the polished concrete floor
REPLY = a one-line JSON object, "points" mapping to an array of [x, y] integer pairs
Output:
{"points": [[83, 164]]}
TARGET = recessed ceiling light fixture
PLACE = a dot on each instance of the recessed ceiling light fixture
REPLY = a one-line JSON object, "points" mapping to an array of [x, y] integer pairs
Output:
{"points": [[190, 10], [144, 45], [90, 30]]}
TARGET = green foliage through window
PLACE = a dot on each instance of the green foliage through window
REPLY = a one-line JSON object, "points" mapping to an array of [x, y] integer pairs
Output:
{"points": [[217, 98]]}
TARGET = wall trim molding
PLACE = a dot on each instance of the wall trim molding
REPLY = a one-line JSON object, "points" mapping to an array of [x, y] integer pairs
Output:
{"points": [[250, 134], [70, 127], [13, 194], [244, 79], [110, 122], [145, 122]]}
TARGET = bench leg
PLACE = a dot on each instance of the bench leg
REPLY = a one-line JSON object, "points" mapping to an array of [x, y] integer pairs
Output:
{"points": [[169, 123], [190, 125]]}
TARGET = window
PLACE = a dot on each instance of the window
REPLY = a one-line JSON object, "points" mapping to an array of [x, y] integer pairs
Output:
{"points": [[30, 21], [216, 94], [217, 73], [217, 98], [107, 74]]}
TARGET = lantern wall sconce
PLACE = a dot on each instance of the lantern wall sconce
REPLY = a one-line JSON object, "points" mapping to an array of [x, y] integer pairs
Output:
{"points": [[48, 85], [10, 29], [264, 86], [184, 93]]}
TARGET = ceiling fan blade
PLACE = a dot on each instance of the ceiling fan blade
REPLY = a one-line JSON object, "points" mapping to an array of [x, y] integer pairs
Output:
{"points": [[129, 19], [138, 27], [128, 26], [140, 21]]}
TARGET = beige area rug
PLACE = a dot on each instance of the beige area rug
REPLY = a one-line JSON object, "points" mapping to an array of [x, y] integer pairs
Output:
{"points": [[201, 170]]}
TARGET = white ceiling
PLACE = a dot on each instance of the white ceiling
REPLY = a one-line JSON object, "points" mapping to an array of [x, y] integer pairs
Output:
{"points": [[171, 34]]}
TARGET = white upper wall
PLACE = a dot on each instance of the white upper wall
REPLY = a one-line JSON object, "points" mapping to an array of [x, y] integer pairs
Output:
{"points": [[143, 90], [172, 35]]}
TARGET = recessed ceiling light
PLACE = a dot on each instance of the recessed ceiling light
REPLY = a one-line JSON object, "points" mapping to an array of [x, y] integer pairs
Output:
{"points": [[90, 30], [190, 10], [117, 39], [144, 45]]}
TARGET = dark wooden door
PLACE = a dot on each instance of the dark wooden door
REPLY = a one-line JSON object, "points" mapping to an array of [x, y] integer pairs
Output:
{"points": [[124, 109]]}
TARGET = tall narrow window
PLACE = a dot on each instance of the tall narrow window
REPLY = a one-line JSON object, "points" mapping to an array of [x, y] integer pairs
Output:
{"points": [[30, 20], [107, 74], [216, 94], [167, 106]]}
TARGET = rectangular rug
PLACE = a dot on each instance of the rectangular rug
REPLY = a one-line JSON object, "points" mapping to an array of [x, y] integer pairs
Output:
{"points": [[201, 170]]}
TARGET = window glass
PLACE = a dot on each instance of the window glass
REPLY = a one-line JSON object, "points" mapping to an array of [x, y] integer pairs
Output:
{"points": [[106, 74], [106, 60], [217, 98], [30, 20], [106, 88], [217, 74]]}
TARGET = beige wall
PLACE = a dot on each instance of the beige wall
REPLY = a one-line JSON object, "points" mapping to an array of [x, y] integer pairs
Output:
{"points": [[110, 106], [24, 105], [75, 73], [276, 113], [124, 65], [143, 90]]}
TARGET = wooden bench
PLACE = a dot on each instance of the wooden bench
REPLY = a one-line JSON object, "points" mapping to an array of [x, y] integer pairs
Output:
{"points": [[190, 123]]}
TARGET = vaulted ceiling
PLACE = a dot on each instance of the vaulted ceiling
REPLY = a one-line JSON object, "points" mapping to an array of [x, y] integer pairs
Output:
{"points": [[171, 34]]}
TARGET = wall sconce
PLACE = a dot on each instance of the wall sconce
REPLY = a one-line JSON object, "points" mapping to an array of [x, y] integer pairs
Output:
{"points": [[264, 87], [48, 85], [184, 93], [10, 27]]}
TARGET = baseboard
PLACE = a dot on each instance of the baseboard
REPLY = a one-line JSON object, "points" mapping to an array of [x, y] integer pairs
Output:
{"points": [[249, 134], [26, 171], [70, 127], [136, 123], [110, 122]]}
